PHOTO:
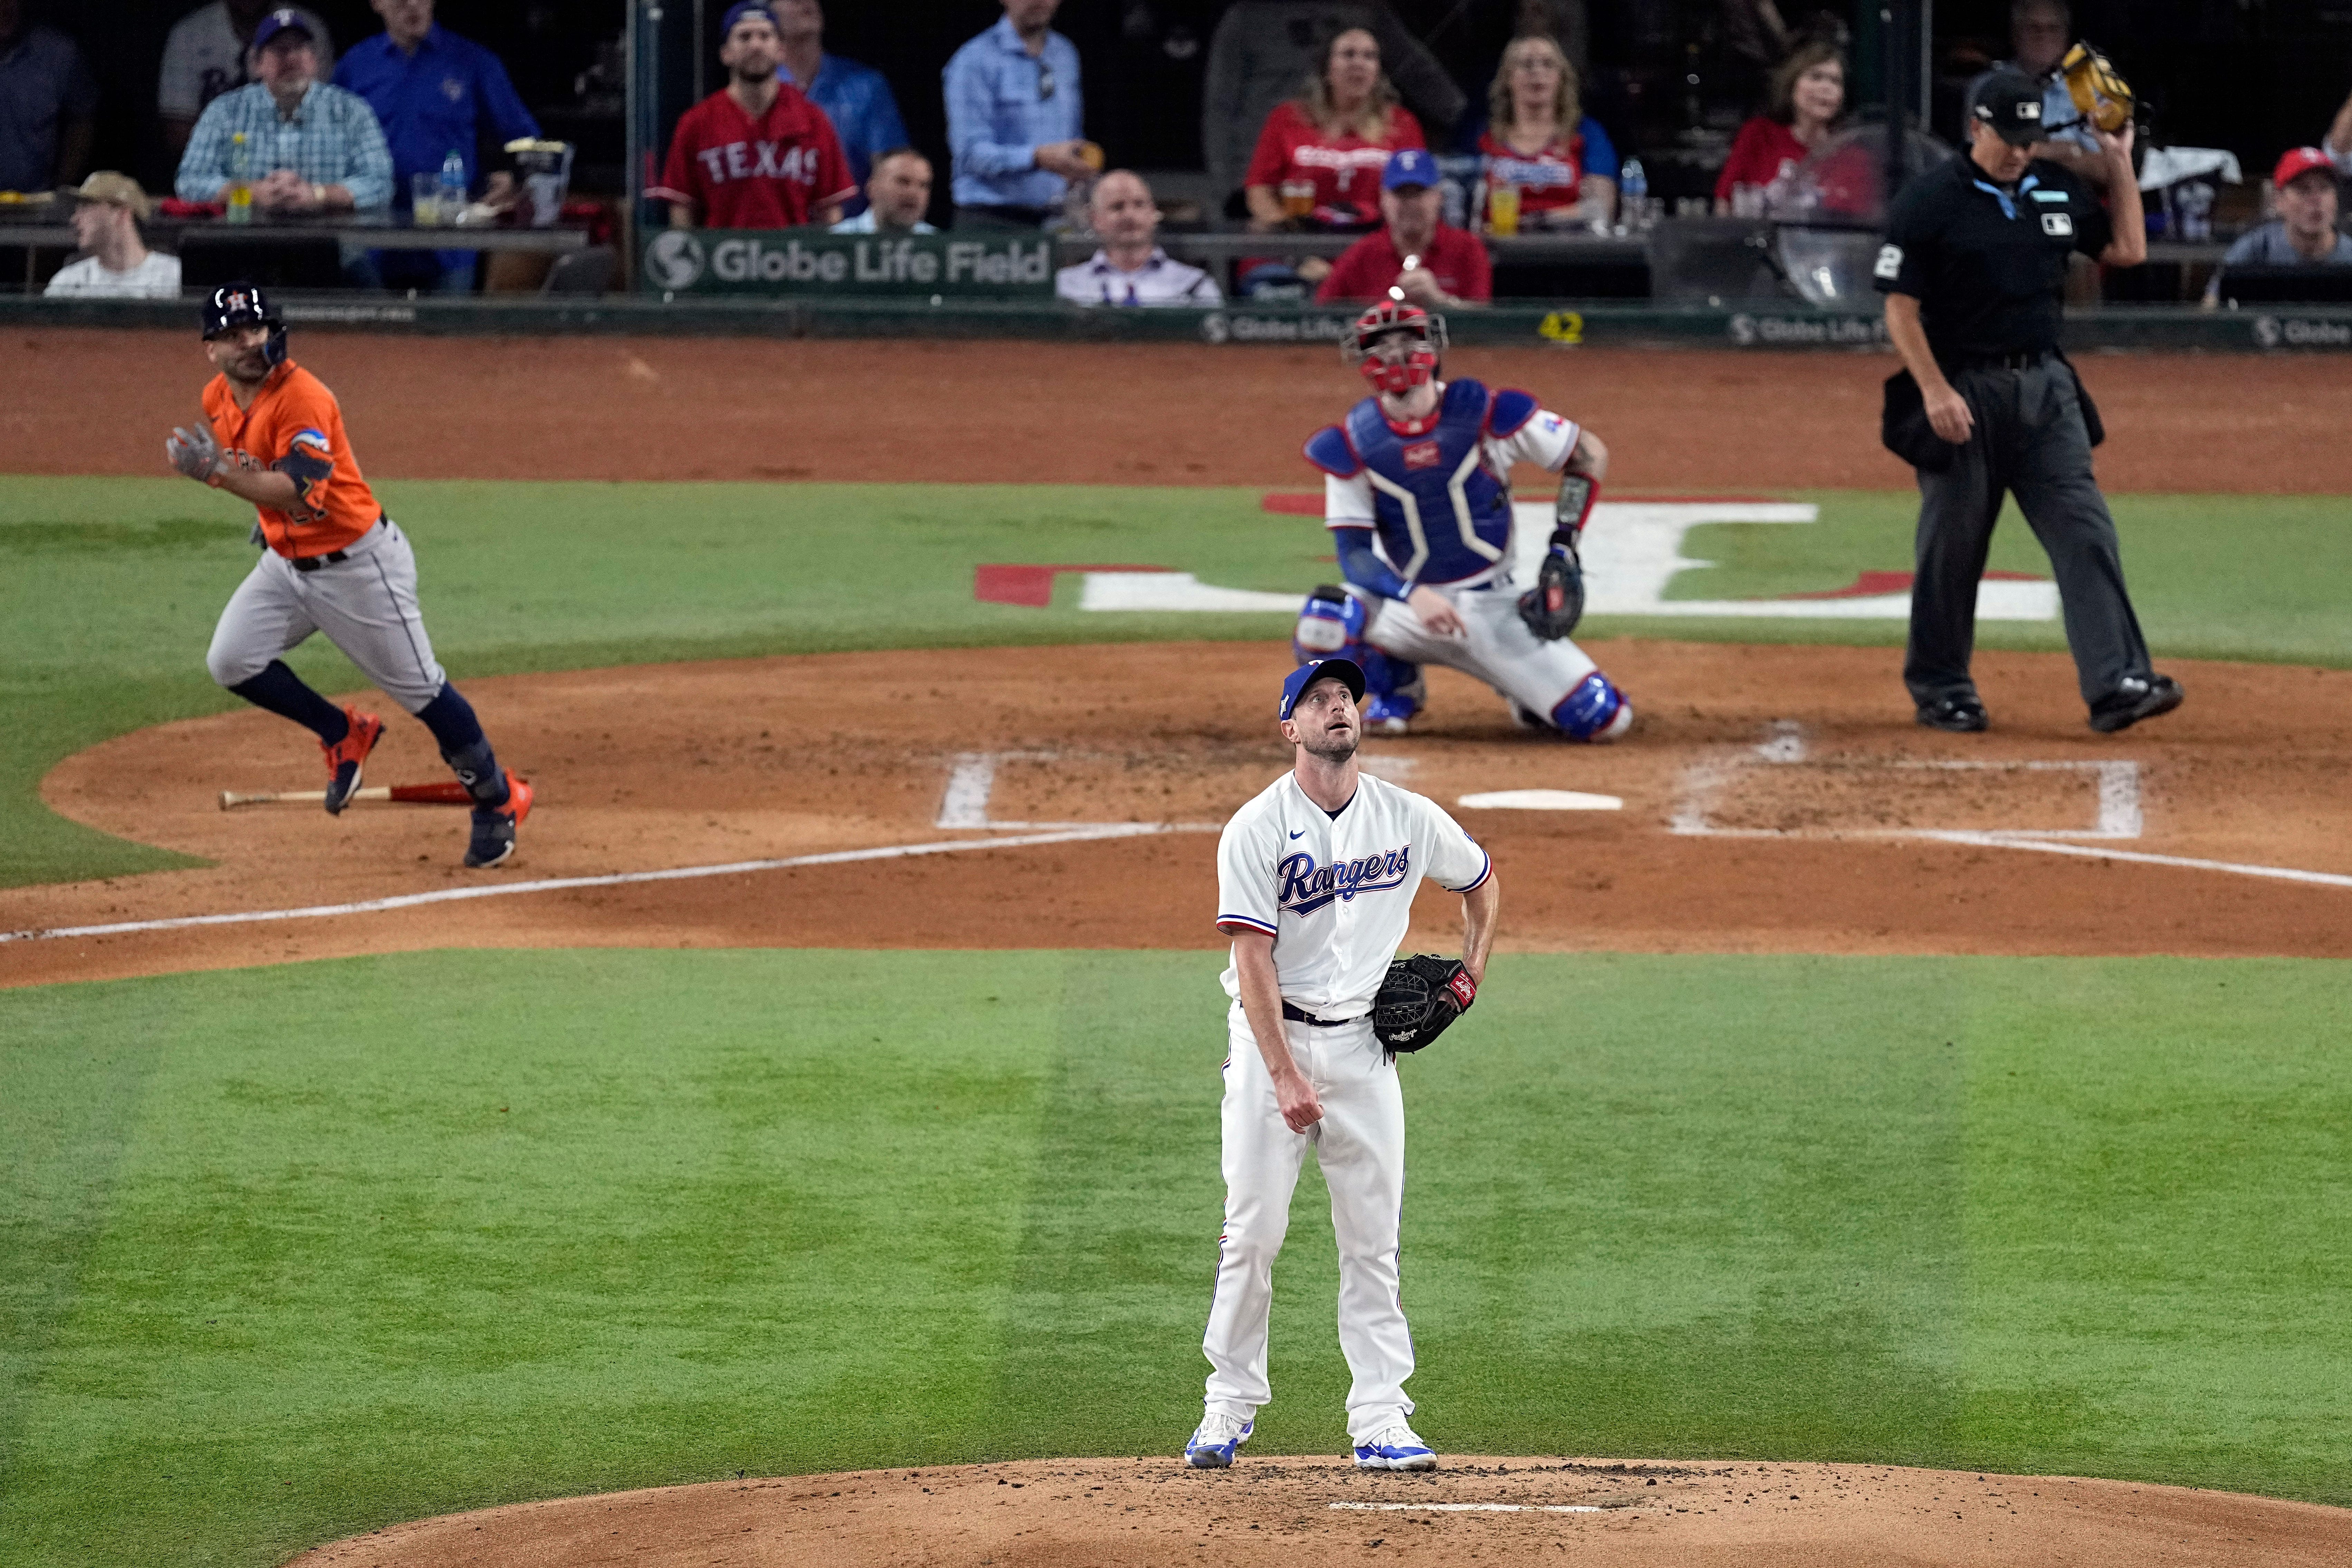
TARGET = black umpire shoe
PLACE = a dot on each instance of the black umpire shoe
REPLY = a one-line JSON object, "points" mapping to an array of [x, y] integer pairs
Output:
{"points": [[2134, 701], [1962, 714]]}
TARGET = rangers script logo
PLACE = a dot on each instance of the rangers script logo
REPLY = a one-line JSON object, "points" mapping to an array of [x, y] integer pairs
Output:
{"points": [[1307, 886]]}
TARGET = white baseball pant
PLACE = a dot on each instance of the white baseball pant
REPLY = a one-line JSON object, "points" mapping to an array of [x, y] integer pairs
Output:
{"points": [[366, 604], [1359, 1143], [1496, 646]]}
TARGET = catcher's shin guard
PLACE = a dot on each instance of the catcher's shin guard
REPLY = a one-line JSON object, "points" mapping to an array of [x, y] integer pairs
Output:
{"points": [[1331, 625], [1594, 712]]}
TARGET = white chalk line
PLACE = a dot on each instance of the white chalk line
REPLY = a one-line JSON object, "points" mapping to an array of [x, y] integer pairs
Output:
{"points": [[1076, 835], [1470, 1507]]}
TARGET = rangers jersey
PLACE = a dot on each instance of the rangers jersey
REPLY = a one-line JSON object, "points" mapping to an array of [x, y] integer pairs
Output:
{"points": [[1335, 893], [1437, 492]]}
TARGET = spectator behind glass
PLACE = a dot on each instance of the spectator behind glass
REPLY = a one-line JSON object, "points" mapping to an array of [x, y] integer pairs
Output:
{"points": [[209, 52], [2040, 32], [2304, 234], [896, 198], [314, 147], [754, 154], [1319, 157], [107, 210], [1015, 119], [1539, 141], [47, 99], [1450, 266], [432, 91], [1129, 269], [856, 98], [1808, 94], [1262, 48]]}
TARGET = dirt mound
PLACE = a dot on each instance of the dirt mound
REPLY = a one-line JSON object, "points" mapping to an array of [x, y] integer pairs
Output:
{"points": [[1783, 801], [1129, 1513]]}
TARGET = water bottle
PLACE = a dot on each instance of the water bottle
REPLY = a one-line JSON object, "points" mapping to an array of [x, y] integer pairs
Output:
{"points": [[453, 185], [1633, 197], [239, 197]]}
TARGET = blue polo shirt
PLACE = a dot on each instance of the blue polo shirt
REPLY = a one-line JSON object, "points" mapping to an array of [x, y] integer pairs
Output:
{"points": [[864, 115], [999, 114], [433, 101]]}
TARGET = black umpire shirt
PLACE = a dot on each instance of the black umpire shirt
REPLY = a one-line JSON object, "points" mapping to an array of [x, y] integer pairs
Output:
{"points": [[1988, 265]]}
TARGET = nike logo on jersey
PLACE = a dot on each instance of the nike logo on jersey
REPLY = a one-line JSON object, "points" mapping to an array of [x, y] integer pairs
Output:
{"points": [[1306, 886], [1301, 834]]}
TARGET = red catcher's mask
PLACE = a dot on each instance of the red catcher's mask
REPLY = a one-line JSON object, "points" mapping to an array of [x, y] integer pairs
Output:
{"points": [[1425, 333]]}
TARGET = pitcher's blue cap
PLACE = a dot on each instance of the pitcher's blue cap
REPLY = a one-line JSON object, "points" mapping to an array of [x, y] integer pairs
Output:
{"points": [[277, 22], [1306, 675], [1413, 166]]}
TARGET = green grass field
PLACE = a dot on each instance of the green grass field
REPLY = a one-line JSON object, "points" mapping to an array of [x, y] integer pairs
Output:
{"points": [[110, 588], [294, 1253], [291, 1253]]}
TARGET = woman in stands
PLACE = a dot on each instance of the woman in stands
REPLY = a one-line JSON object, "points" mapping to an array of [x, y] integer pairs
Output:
{"points": [[1539, 142], [1319, 161], [1808, 95]]}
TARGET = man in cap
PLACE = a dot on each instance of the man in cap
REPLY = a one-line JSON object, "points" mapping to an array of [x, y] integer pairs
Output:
{"points": [[209, 52], [756, 154], [2304, 234], [1974, 272], [108, 208], [311, 147], [1414, 254]]}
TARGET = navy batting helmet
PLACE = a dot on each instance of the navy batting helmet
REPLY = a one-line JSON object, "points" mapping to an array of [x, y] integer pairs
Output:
{"points": [[243, 304]]}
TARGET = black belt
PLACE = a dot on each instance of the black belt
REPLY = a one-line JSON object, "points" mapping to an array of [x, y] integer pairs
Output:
{"points": [[1301, 1015], [312, 562], [2023, 359]]}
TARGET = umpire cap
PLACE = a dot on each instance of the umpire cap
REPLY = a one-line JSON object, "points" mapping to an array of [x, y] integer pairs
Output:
{"points": [[243, 304], [2010, 102]]}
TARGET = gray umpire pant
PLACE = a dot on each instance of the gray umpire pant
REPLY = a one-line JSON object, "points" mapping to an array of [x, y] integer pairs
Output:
{"points": [[2029, 441]]}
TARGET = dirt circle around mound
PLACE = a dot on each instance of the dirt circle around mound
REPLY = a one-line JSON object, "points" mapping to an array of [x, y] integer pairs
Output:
{"points": [[1770, 799], [1130, 1513]]}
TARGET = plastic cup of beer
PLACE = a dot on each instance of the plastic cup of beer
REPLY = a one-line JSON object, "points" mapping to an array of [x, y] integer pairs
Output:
{"points": [[1503, 209], [425, 196]]}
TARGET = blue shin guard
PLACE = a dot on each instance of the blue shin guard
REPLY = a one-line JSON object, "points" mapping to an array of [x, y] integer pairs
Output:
{"points": [[464, 748], [1331, 625], [1595, 711]]}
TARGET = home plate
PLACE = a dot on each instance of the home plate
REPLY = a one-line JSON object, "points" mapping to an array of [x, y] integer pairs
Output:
{"points": [[1541, 800]]}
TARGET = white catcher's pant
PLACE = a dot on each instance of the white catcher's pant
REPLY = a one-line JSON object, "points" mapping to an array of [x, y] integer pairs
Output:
{"points": [[1495, 648], [366, 605], [1359, 1143]]}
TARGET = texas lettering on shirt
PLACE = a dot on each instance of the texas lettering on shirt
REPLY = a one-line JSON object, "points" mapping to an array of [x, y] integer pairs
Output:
{"points": [[773, 172]]}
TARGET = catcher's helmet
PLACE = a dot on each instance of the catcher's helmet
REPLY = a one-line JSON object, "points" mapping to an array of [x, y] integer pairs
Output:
{"points": [[243, 304], [1424, 335]]}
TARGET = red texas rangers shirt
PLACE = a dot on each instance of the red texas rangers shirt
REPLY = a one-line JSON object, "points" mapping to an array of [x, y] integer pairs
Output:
{"points": [[768, 173], [1366, 268]]}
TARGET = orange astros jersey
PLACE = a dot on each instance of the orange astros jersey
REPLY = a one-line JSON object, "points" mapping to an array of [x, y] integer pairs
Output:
{"points": [[296, 428]]}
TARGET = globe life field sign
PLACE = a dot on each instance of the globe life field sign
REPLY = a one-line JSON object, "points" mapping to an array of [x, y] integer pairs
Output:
{"points": [[848, 266]]}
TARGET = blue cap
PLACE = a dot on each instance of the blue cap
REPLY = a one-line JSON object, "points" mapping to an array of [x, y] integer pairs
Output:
{"points": [[277, 22], [742, 8], [1306, 675], [1413, 166]]}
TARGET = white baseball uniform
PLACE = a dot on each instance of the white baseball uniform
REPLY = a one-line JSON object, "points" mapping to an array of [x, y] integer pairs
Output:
{"points": [[1335, 893]]}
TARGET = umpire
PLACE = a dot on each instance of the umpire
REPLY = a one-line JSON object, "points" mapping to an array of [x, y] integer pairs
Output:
{"points": [[1974, 272]]}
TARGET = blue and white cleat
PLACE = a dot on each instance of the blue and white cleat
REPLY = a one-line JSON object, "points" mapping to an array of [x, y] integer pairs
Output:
{"points": [[1395, 1447], [1213, 1443]]}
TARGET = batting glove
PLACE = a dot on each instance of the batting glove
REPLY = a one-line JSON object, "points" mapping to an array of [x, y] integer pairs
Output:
{"points": [[193, 452]]}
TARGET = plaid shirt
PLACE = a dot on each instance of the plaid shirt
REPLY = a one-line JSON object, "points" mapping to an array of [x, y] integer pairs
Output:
{"points": [[332, 139]]}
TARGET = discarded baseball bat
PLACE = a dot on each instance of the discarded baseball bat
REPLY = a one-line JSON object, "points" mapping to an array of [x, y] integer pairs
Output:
{"points": [[442, 791]]}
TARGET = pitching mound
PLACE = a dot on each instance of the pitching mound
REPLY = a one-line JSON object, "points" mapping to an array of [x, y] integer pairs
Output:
{"points": [[1769, 799], [1283, 1512]]}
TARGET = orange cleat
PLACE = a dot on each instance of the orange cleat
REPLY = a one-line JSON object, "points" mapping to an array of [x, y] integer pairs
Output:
{"points": [[493, 842], [348, 758]]}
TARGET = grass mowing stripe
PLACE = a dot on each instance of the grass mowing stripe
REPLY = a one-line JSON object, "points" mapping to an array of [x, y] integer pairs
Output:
{"points": [[394, 1237]]}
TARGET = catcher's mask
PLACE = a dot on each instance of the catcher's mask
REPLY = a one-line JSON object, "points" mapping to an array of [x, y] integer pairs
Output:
{"points": [[1367, 345], [243, 304]]}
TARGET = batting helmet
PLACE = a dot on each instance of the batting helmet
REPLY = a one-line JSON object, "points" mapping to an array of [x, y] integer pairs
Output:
{"points": [[243, 304], [1424, 335]]}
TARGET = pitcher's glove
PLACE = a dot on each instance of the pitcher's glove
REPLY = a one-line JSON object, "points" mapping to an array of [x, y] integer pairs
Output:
{"points": [[1553, 606], [1421, 996], [193, 452]]}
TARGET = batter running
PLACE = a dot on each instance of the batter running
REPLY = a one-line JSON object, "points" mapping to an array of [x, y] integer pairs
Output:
{"points": [[1315, 884], [1417, 495], [332, 561]]}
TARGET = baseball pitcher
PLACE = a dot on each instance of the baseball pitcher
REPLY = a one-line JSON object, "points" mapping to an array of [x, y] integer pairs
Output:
{"points": [[332, 561], [1417, 495]]}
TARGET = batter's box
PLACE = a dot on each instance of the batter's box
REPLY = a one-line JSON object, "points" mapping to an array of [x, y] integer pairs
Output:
{"points": [[1758, 794]]}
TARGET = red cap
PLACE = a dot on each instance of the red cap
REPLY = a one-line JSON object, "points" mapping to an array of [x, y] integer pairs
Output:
{"points": [[2299, 162]]}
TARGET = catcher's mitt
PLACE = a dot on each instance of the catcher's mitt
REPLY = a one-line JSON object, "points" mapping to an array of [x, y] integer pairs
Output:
{"points": [[2101, 95], [1553, 606], [1421, 996]]}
